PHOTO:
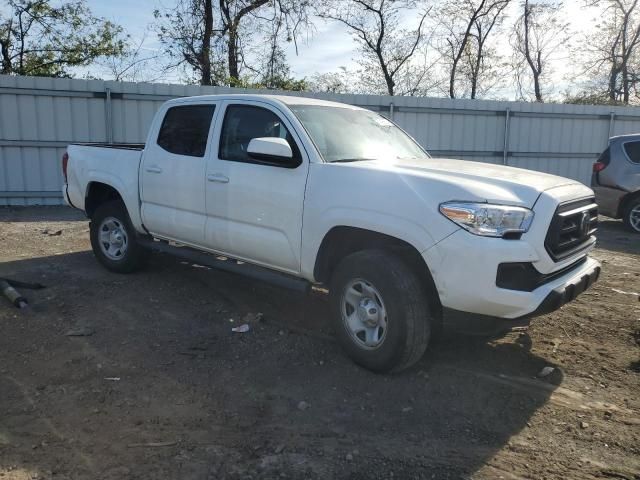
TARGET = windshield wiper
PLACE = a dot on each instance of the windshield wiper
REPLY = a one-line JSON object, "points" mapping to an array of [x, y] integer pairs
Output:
{"points": [[348, 160]]}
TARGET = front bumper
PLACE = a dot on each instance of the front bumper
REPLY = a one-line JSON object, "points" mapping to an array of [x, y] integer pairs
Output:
{"points": [[465, 269], [569, 291], [474, 324]]}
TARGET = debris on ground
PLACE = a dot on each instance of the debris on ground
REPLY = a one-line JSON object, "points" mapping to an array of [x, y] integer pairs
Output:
{"points": [[196, 265], [8, 289], [302, 406], [80, 332], [11, 294], [617, 290], [546, 371], [244, 328], [152, 444]]}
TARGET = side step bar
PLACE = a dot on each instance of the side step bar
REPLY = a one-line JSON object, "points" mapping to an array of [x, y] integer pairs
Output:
{"points": [[211, 260]]}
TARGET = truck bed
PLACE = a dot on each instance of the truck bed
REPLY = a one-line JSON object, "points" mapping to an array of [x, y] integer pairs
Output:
{"points": [[112, 164]]}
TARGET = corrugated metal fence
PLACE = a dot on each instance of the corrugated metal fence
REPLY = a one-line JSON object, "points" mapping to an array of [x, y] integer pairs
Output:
{"points": [[40, 116]]}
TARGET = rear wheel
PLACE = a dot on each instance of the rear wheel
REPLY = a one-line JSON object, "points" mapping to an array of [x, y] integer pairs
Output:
{"points": [[380, 311], [113, 239], [631, 216]]}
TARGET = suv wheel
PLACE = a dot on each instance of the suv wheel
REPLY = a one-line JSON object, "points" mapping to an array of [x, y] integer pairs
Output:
{"points": [[632, 215], [380, 311], [113, 239]]}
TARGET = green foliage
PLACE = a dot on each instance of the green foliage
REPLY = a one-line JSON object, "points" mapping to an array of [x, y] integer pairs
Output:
{"points": [[289, 84], [40, 39], [590, 98]]}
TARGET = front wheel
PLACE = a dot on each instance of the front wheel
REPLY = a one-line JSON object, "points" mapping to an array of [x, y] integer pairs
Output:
{"points": [[380, 311], [113, 239], [632, 215]]}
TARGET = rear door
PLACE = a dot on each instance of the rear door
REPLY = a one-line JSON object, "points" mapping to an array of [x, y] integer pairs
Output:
{"points": [[629, 177], [172, 176], [254, 208]]}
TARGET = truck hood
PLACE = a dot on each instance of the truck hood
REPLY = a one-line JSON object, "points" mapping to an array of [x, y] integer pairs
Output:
{"points": [[474, 181]]}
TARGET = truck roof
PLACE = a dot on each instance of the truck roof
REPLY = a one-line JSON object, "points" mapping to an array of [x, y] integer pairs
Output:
{"points": [[283, 99]]}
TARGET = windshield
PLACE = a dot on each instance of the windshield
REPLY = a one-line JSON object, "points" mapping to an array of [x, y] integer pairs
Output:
{"points": [[347, 135]]}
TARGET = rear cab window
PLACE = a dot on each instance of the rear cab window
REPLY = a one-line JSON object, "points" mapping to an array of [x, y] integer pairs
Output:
{"points": [[185, 130], [632, 149]]}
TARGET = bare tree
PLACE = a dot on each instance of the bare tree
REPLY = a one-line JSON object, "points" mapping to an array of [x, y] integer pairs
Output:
{"points": [[188, 36], [338, 81], [613, 50], [375, 24], [210, 35], [537, 34], [136, 64], [467, 25]]}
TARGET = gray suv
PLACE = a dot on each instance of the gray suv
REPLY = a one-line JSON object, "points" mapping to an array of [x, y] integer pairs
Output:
{"points": [[616, 180]]}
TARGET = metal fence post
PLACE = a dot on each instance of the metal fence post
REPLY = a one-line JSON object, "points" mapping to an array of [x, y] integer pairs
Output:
{"points": [[108, 115], [391, 108], [505, 150], [612, 121]]}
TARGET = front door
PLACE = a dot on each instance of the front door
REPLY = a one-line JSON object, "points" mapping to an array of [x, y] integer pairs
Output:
{"points": [[254, 208], [172, 175]]}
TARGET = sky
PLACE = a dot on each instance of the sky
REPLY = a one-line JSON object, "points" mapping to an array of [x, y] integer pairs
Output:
{"points": [[328, 47]]}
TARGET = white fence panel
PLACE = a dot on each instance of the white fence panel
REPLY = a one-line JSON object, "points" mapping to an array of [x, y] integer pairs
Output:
{"points": [[40, 116]]}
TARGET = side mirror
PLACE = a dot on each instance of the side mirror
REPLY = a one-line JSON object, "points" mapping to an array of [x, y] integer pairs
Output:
{"points": [[272, 150]]}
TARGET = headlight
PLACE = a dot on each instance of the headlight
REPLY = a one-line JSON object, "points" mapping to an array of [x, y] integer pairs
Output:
{"points": [[488, 220]]}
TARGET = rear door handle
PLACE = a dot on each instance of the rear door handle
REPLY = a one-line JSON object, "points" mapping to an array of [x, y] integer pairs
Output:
{"points": [[153, 169], [217, 177]]}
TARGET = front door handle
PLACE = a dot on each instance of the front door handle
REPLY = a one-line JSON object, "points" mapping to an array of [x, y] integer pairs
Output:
{"points": [[153, 169], [217, 177]]}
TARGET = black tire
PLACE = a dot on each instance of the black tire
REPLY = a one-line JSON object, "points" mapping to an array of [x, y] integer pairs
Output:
{"points": [[634, 204], [403, 295], [134, 256]]}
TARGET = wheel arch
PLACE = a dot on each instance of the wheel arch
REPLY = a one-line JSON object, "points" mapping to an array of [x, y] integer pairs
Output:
{"points": [[626, 200], [341, 241], [99, 193]]}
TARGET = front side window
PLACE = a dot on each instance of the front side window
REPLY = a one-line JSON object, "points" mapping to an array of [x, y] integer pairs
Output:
{"points": [[348, 135], [632, 149], [185, 130], [242, 123]]}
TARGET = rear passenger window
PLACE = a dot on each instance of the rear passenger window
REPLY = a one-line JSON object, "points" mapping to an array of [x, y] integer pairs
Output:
{"points": [[243, 123], [185, 129], [633, 151]]}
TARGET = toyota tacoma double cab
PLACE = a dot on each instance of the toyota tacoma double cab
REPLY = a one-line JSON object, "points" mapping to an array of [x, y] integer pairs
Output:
{"points": [[336, 195]]}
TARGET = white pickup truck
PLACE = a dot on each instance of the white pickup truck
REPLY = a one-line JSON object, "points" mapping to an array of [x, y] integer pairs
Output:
{"points": [[338, 195]]}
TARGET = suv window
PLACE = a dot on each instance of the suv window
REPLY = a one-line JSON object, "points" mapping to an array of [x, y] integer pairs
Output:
{"points": [[185, 129], [245, 122], [633, 151]]}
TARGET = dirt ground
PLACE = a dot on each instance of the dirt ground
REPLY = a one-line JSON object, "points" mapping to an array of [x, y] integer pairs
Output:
{"points": [[140, 377]]}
